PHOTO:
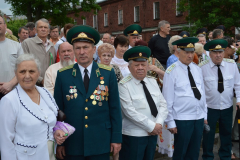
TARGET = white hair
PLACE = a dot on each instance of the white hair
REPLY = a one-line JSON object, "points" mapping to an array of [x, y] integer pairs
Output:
{"points": [[172, 39], [43, 20], [27, 57], [62, 30]]}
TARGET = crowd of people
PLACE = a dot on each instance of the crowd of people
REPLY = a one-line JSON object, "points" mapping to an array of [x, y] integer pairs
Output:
{"points": [[125, 97]]}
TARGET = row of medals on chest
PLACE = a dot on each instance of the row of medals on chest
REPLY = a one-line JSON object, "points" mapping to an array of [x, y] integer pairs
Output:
{"points": [[98, 94]]}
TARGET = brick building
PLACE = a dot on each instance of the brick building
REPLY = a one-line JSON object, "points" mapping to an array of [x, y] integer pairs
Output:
{"points": [[116, 15]]}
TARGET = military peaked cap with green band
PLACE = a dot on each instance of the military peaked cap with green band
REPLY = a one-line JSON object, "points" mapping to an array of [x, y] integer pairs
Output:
{"points": [[202, 31], [133, 30], [216, 45], [83, 33], [138, 53], [186, 44]]}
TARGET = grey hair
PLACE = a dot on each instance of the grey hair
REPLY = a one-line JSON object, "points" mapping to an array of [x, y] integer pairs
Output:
{"points": [[172, 39], [216, 33], [201, 35], [178, 49], [43, 20], [27, 57], [162, 24], [108, 34], [62, 30]]}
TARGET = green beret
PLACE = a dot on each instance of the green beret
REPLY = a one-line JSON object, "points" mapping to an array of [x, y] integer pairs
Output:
{"points": [[186, 44], [138, 53], [216, 45], [133, 30], [83, 33]]}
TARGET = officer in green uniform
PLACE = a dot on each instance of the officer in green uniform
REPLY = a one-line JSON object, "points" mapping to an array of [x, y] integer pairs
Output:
{"points": [[132, 32], [87, 93]]}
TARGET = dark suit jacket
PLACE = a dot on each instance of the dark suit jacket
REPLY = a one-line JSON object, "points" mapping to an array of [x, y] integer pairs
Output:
{"points": [[104, 122]]}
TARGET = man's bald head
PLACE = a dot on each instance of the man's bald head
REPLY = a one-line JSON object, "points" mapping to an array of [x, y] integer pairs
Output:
{"points": [[106, 38], [66, 54]]}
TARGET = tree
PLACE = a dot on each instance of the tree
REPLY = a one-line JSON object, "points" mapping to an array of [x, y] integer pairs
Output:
{"points": [[14, 25], [54, 10], [211, 13]]}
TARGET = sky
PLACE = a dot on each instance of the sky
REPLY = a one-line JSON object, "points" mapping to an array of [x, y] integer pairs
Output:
{"points": [[4, 7]]}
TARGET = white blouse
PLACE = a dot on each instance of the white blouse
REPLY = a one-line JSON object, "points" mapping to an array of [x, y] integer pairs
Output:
{"points": [[25, 126], [123, 65]]}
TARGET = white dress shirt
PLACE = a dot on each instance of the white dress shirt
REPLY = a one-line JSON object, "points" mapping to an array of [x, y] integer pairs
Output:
{"points": [[137, 119], [123, 65], [224, 100], [181, 102], [89, 68]]}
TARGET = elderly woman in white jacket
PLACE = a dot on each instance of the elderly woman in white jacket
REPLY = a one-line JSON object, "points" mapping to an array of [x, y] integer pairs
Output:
{"points": [[27, 116]]}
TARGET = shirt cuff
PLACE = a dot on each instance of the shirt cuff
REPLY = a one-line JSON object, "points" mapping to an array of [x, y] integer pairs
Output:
{"points": [[171, 124], [160, 121], [151, 126], [238, 100]]}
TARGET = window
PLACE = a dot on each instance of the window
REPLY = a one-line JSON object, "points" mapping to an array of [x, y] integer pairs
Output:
{"points": [[178, 13], [120, 16], [105, 19], [136, 14], [75, 21], [156, 11], [95, 21], [84, 22]]}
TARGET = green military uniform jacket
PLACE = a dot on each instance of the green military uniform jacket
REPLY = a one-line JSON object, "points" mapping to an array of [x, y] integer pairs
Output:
{"points": [[96, 126]]}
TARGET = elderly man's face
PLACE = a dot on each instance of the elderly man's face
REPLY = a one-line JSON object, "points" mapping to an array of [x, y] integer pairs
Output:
{"points": [[66, 52], [133, 40], [27, 74], [202, 40], [42, 29], [3, 27], [54, 33], [138, 69], [23, 35], [186, 57], [106, 38], [84, 53], [216, 57]]}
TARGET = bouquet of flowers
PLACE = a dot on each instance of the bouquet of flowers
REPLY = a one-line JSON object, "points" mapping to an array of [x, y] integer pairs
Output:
{"points": [[65, 127]]}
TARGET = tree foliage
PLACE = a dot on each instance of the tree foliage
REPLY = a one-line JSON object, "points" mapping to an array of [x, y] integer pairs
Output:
{"points": [[54, 10], [14, 25], [211, 13]]}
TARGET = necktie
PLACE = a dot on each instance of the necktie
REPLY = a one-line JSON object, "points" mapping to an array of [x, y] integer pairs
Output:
{"points": [[220, 80], [196, 92], [86, 79], [151, 103]]}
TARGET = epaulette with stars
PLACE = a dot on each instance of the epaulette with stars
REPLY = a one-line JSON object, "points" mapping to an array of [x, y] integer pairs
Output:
{"points": [[203, 63], [170, 68], [229, 60]]}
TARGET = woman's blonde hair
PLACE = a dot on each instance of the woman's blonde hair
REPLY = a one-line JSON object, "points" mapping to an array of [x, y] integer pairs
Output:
{"points": [[106, 48], [172, 39], [198, 49]]}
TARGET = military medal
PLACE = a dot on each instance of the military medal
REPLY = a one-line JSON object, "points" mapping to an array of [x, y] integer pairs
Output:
{"points": [[106, 98], [74, 89], [95, 92], [100, 104], [68, 97], [101, 82], [92, 97], [97, 97], [75, 95], [71, 90], [71, 96], [94, 102]]}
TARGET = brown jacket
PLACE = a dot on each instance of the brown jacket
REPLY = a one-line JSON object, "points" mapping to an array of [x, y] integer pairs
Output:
{"points": [[35, 46]]}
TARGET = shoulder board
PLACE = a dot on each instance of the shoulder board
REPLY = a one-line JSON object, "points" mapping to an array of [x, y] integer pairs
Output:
{"points": [[66, 68], [229, 60], [125, 79], [104, 67], [203, 63], [170, 68]]}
